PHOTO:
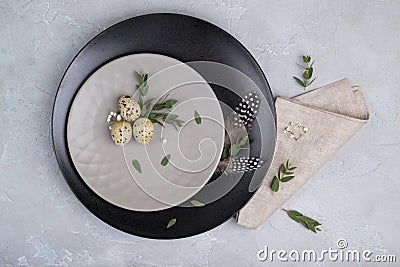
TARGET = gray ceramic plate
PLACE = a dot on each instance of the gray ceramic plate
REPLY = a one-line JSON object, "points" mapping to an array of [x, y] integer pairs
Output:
{"points": [[195, 149]]}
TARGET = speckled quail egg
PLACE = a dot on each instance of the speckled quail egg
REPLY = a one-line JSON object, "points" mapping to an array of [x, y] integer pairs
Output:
{"points": [[143, 130], [129, 108], [121, 132]]}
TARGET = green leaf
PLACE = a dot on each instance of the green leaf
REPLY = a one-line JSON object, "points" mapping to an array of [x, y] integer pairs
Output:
{"points": [[310, 71], [144, 90], [293, 216], [165, 160], [275, 184], [136, 165], [168, 120], [307, 58], [234, 150], [311, 221], [179, 123], [303, 223], [197, 117], [171, 223], [243, 141], [197, 203], [225, 153], [151, 116], [172, 116], [295, 213], [143, 110], [156, 121], [311, 82], [148, 104], [170, 103], [282, 169], [307, 74], [158, 107], [287, 179], [299, 81]]}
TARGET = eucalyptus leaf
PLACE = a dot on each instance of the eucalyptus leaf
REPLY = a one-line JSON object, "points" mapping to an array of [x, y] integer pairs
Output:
{"points": [[172, 116], [165, 160], [307, 58], [234, 150], [136, 165], [243, 141], [225, 153], [197, 203], [307, 74], [295, 213], [157, 107], [156, 121], [299, 81], [197, 117], [171, 223], [282, 169], [145, 90], [143, 111], [275, 184], [293, 217], [286, 179], [170, 103]]}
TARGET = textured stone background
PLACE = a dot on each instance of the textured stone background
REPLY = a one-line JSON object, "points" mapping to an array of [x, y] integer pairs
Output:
{"points": [[355, 195]]}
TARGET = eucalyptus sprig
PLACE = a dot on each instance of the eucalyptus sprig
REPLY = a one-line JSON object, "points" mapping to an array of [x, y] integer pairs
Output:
{"points": [[234, 149], [150, 110], [307, 222], [285, 174], [307, 74]]}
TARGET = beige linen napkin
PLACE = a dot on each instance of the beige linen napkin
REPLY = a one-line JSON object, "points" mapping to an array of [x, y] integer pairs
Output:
{"points": [[332, 114]]}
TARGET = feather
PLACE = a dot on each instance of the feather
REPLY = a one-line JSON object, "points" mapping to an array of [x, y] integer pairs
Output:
{"points": [[247, 110], [243, 164], [237, 125]]}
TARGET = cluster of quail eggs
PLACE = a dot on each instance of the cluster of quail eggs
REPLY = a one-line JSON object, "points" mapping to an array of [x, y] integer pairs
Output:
{"points": [[122, 128]]}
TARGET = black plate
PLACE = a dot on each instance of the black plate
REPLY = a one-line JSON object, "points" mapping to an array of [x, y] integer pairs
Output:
{"points": [[184, 38]]}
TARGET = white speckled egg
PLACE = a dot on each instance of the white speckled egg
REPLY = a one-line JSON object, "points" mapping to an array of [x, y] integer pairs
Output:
{"points": [[129, 108], [143, 130], [121, 132]]}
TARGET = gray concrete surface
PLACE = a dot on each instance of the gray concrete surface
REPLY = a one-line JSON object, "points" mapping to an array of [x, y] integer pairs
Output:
{"points": [[355, 195]]}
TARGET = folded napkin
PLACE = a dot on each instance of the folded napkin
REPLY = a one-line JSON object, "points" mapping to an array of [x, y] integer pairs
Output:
{"points": [[311, 128]]}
